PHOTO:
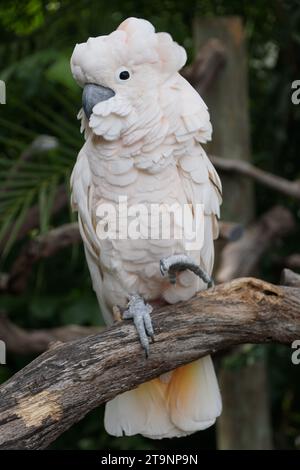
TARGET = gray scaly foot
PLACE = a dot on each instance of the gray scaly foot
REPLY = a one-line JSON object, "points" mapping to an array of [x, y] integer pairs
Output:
{"points": [[139, 312], [177, 263]]}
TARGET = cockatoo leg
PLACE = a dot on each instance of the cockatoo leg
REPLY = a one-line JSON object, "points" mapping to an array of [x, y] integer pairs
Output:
{"points": [[139, 312], [177, 263], [117, 313]]}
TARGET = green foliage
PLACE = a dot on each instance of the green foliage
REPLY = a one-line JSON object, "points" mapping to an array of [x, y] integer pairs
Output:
{"points": [[246, 355], [22, 18], [37, 38]]}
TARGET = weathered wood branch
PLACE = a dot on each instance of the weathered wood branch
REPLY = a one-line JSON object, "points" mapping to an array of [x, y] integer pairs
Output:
{"points": [[242, 257], [58, 388], [21, 341], [240, 167]]}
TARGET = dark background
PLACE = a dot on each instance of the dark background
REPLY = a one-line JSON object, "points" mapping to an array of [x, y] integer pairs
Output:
{"points": [[36, 40]]}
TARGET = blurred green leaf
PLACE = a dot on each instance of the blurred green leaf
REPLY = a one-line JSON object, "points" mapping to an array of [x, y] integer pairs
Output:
{"points": [[59, 72], [43, 307]]}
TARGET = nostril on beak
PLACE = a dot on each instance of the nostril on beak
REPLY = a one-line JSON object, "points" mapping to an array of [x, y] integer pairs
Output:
{"points": [[93, 94]]}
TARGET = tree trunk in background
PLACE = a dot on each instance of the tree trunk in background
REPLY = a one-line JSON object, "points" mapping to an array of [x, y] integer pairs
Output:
{"points": [[227, 100], [245, 422]]}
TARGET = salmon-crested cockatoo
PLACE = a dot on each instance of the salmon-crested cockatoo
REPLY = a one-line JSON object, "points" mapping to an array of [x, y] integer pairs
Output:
{"points": [[144, 128]]}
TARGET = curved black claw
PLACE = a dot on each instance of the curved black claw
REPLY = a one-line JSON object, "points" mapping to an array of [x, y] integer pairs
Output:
{"points": [[177, 263], [139, 312]]}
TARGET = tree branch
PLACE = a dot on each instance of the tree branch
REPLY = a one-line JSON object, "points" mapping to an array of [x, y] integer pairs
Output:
{"points": [[241, 167], [58, 388], [242, 257], [20, 341]]}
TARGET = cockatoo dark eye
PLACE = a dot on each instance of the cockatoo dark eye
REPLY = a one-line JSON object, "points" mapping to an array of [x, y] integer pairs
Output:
{"points": [[124, 75]]}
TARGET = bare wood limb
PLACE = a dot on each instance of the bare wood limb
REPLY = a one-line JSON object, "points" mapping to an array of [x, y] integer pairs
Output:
{"points": [[57, 389], [241, 258], [21, 341], [282, 185], [210, 59], [289, 278]]}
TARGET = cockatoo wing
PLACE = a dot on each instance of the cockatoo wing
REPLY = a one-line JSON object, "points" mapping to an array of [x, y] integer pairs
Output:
{"points": [[193, 395], [202, 186], [199, 179], [81, 201]]}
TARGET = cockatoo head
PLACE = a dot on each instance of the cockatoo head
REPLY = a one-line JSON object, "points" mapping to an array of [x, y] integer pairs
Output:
{"points": [[118, 71]]}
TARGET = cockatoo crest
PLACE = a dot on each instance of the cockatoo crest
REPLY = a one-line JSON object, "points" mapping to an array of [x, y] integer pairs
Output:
{"points": [[149, 58], [134, 43]]}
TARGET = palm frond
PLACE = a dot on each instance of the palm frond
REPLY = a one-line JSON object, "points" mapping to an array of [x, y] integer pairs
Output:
{"points": [[34, 179]]}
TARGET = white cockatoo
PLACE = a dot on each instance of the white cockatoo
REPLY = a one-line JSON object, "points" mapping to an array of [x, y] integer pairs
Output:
{"points": [[144, 128]]}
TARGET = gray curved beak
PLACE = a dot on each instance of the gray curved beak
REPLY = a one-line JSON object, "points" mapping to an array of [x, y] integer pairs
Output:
{"points": [[93, 94]]}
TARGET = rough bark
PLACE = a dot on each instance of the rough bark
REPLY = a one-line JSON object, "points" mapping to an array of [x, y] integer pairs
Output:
{"points": [[62, 385]]}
